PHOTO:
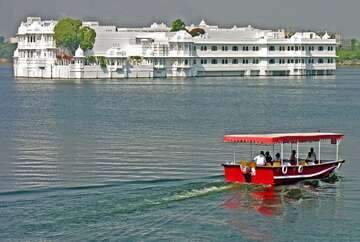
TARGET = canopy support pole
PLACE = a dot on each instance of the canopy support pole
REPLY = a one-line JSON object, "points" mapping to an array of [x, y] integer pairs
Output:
{"points": [[273, 151], [297, 152], [337, 150], [282, 154], [251, 152], [319, 151], [234, 161]]}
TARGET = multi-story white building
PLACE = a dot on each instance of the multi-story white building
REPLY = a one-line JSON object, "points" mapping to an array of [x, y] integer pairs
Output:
{"points": [[156, 52]]}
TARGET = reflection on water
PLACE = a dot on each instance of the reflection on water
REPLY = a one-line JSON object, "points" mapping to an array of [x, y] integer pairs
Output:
{"points": [[258, 211]]}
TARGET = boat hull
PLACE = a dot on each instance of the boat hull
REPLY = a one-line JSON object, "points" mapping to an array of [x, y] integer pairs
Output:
{"points": [[280, 175]]}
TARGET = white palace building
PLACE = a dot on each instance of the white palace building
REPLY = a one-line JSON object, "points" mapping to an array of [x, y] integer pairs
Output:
{"points": [[156, 52]]}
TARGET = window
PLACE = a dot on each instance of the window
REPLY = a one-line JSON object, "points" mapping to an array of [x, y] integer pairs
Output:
{"points": [[311, 48], [235, 61], [224, 61], [186, 62], [203, 61], [272, 61], [194, 62], [292, 48], [321, 61], [303, 48], [235, 48], [203, 48], [255, 48], [320, 48], [330, 48], [214, 61], [271, 48], [245, 61], [213, 48], [245, 48], [224, 48], [255, 61]]}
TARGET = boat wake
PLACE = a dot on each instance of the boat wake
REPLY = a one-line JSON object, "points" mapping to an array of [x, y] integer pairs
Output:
{"points": [[204, 190]]}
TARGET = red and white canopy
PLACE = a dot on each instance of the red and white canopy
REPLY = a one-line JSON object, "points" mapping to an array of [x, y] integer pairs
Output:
{"points": [[282, 138]]}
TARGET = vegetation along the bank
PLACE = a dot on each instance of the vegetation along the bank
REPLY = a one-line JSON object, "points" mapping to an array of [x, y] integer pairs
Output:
{"points": [[6, 50], [349, 53]]}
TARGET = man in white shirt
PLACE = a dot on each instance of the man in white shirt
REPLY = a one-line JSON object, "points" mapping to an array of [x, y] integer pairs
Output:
{"points": [[260, 159], [312, 155]]}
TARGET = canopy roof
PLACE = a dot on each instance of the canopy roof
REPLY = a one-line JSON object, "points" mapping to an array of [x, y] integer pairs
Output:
{"points": [[282, 138]]}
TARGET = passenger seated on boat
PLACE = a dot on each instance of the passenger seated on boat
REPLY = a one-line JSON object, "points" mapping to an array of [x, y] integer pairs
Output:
{"points": [[268, 159], [309, 159], [292, 158], [260, 159], [312, 156], [277, 160]]}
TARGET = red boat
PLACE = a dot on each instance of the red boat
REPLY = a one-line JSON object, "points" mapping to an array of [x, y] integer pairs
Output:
{"points": [[285, 172]]}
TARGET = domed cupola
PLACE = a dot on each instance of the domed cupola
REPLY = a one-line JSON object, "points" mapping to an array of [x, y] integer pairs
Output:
{"points": [[79, 53]]}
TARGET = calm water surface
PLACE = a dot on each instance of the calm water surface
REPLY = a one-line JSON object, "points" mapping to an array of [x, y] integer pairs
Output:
{"points": [[139, 160]]}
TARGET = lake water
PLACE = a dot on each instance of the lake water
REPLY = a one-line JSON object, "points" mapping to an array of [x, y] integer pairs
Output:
{"points": [[140, 160]]}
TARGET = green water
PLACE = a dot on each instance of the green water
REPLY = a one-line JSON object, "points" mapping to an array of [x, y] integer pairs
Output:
{"points": [[140, 160]]}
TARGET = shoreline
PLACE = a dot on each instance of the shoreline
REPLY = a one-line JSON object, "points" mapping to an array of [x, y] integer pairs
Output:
{"points": [[350, 65], [347, 64], [4, 61]]}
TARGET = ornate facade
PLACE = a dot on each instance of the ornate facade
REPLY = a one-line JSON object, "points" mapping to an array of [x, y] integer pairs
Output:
{"points": [[156, 52]]}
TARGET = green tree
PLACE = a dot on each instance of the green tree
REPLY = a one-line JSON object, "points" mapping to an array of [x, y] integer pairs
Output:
{"points": [[87, 38], [2, 39], [354, 44], [7, 50], [177, 25], [67, 34]]}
